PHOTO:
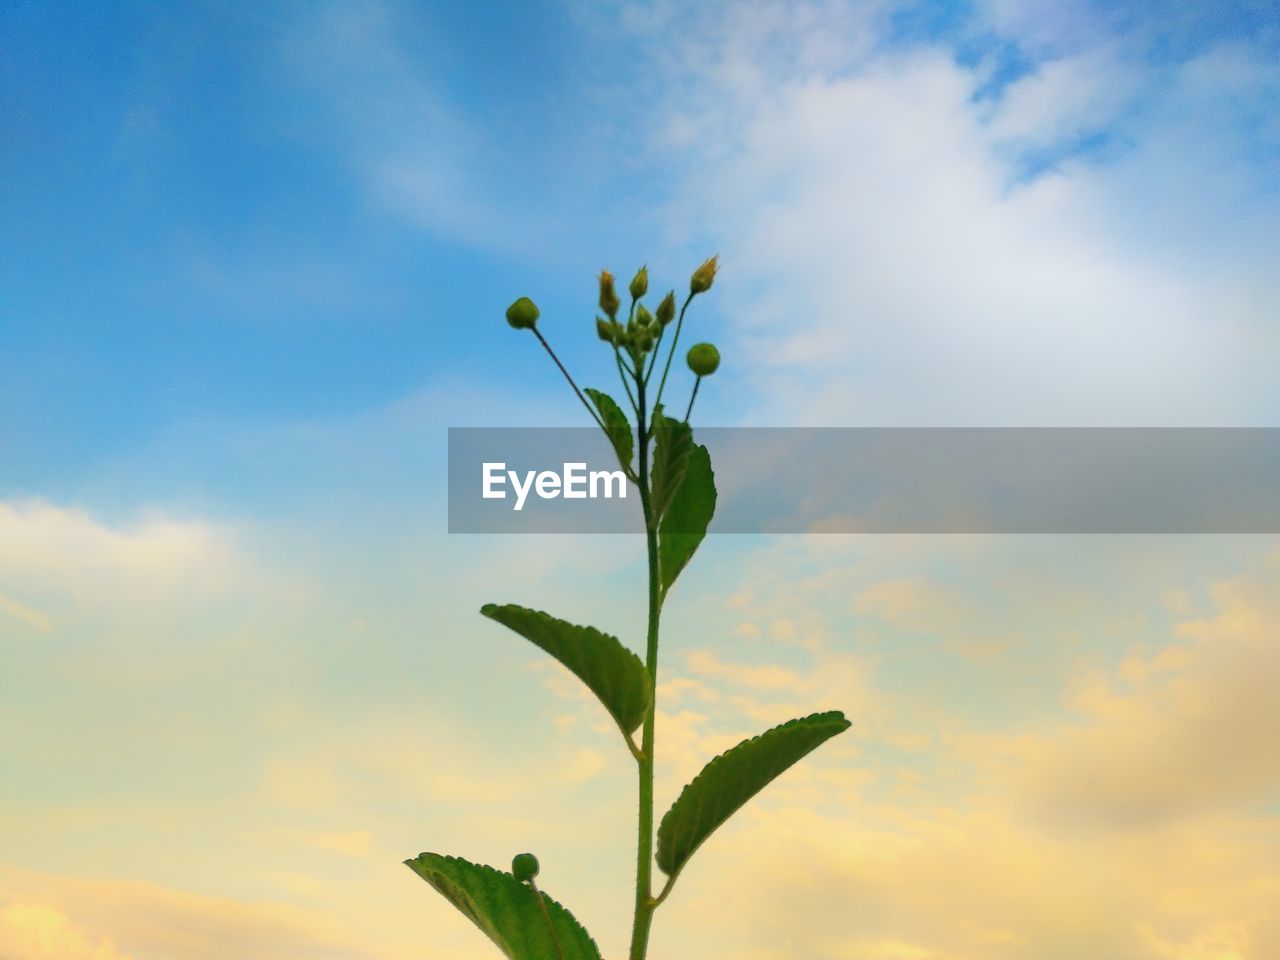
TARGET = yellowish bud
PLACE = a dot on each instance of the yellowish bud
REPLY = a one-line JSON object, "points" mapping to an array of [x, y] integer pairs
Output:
{"points": [[609, 301], [667, 308], [608, 330], [640, 283], [704, 276]]}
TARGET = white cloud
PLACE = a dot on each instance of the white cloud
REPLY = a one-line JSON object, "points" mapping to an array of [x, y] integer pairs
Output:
{"points": [[884, 262], [62, 563], [1046, 26], [45, 538], [1067, 98]]}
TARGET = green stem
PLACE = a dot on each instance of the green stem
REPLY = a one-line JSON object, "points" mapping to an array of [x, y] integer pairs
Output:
{"points": [[666, 889], [590, 409], [653, 360], [692, 397], [644, 840], [617, 355], [674, 340]]}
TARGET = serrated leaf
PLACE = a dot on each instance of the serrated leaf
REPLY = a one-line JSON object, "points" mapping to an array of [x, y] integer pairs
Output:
{"points": [[506, 910], [685, 522], [673, 443], [733, 778], [616, 426], [610, 670]]}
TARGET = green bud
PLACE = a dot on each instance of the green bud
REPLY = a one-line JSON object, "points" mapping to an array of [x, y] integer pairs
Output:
{"points": [[524, 866], [609, 301], [608, 330], [644, 319], [703, 359], [667, 308], [523, 314], [638, 340], [704, 276], [640, 283]]}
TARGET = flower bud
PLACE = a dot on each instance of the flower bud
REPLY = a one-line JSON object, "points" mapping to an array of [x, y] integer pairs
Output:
{"points": [[703, 359], [644, 319], [609, 301], [640, 283], [667, 308], [608, 330], [703, 277], [523, 314], [524, 867]]}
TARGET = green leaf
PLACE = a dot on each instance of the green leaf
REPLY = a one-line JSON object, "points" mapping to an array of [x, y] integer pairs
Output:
{"points": [[506, 909], [686, 519], [613, 672], [616, 425], [673, 443], [733, 778]]}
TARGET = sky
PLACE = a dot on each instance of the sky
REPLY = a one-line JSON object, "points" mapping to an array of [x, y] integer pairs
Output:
{"points": [[253, 264]]}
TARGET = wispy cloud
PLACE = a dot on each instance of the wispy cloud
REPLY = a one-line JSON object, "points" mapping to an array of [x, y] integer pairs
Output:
{"points": [[1130, 818], [39, 932], [25, 614], [1070, 249], [156, 921]]}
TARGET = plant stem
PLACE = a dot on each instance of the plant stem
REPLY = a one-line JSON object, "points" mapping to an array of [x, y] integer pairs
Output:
{"points": [[653, 360], [617, 355], [644, 839], [674, 340], [590, 409], [692, 397]]}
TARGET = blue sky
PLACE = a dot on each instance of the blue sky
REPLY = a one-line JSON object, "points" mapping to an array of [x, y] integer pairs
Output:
{"points": [[190, 230], [253, 263], [246, 212]]}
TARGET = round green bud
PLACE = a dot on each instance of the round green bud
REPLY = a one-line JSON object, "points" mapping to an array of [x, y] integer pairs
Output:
{"points": [[524, 866], [640, 283], [667, 308], [704, 276], [523, 314], [644, 319], [703, 359]]}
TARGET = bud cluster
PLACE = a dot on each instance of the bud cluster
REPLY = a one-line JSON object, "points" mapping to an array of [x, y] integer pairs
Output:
{"points": [[639, 334]]}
